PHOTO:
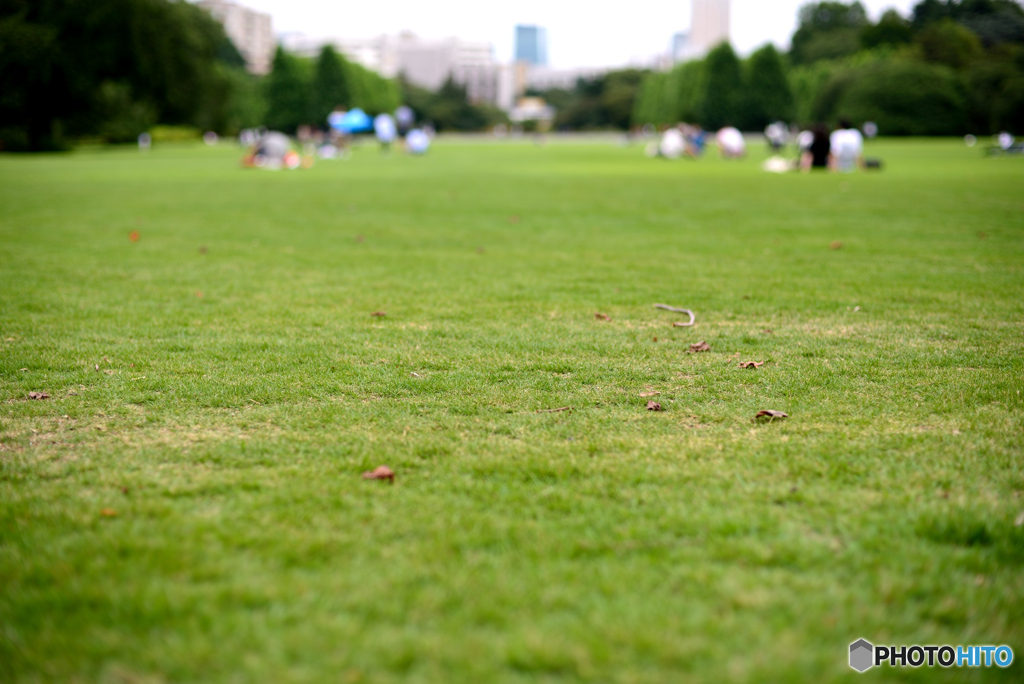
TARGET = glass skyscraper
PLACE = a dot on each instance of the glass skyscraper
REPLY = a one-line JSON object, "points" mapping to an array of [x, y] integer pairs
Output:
{"points": [[532, 45]]}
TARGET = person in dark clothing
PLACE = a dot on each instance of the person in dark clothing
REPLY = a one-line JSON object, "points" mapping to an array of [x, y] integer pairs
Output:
{"points": [[816, 155]]}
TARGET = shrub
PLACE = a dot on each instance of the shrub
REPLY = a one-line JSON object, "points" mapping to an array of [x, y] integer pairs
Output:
{"points": [[903, 97]]}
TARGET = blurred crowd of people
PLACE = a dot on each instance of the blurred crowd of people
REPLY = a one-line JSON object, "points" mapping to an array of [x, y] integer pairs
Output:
{"points": [[274, 150], [840, 150], [690, 140]]}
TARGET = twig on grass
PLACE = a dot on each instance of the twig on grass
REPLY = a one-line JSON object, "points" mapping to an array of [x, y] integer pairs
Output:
{"points": [[689, 313], [557, 410]]}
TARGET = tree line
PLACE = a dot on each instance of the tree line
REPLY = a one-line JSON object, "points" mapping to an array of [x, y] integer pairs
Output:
{"points": [[108, 70], [951, 67], [111, 69], [303, 91]]}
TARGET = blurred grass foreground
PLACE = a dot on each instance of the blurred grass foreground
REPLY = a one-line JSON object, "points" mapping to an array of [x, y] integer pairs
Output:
{"points": [[186, 504]]}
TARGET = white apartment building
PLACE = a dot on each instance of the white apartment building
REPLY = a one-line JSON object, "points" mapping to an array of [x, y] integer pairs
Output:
{"points": [[709, 26], [249, 30]]}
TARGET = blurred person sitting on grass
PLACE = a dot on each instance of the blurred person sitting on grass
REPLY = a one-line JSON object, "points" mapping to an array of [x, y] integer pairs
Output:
{"points": [[673, 144], [818, 148], [385, 130], [417, 141], [731, 144], [847, 147], [273, 150], [695, 140]]}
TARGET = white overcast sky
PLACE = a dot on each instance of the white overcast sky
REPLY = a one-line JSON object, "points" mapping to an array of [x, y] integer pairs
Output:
{"points": [[579, 33]]}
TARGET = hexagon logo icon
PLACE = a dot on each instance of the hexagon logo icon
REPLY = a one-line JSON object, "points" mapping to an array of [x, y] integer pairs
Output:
{"points": [[861, 653]]}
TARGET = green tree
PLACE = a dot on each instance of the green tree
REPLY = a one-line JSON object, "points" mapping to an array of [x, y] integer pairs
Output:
{"points": [[448, 108], [997, 92], [287, 92], [241, 103], [891, 29], [689, 90], [946, 42], [331, 87], [993, 21], [723, 89], [618, 95], [827, 30], [767, 96], [370, 91], [106, 67], [903, 96], [647, 107]]}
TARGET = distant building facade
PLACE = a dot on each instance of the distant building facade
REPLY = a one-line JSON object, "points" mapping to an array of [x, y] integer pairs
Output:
{"points": [[709, 27], [680, 45], [531, 45], [250, 31], [546, 78]]}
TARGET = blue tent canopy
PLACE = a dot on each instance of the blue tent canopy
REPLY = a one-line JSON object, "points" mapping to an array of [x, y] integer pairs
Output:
{"points": [[355, 121]]}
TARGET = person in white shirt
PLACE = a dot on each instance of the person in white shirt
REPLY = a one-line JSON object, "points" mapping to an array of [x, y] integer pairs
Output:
{"points": [[730, 143], [672, 143], [847, 147], [384, 128], [417, 141]]}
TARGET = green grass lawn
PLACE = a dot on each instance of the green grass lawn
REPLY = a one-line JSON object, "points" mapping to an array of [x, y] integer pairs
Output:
{"points": [[188, 506]]}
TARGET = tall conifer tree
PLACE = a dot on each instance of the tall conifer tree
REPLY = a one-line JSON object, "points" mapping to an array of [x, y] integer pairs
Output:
{"points": [[767, 96], [287, 94], [723, 89], [331, 87]]}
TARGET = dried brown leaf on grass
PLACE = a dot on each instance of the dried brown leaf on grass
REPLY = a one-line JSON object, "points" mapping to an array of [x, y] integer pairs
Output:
{"points": [[380, 473], [514, 218], [555, 410], [751, 364], [653, 406], [378, 314], [701, 346], [649, 394], [38, 395], [202, 249], [770, 415], [836, 245], [602, 317], [108, 513]]}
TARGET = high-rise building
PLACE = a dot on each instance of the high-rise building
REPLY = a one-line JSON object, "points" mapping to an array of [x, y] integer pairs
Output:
{"points": [[680, 42], [709, 26], [249, 30], [531, 45]]}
